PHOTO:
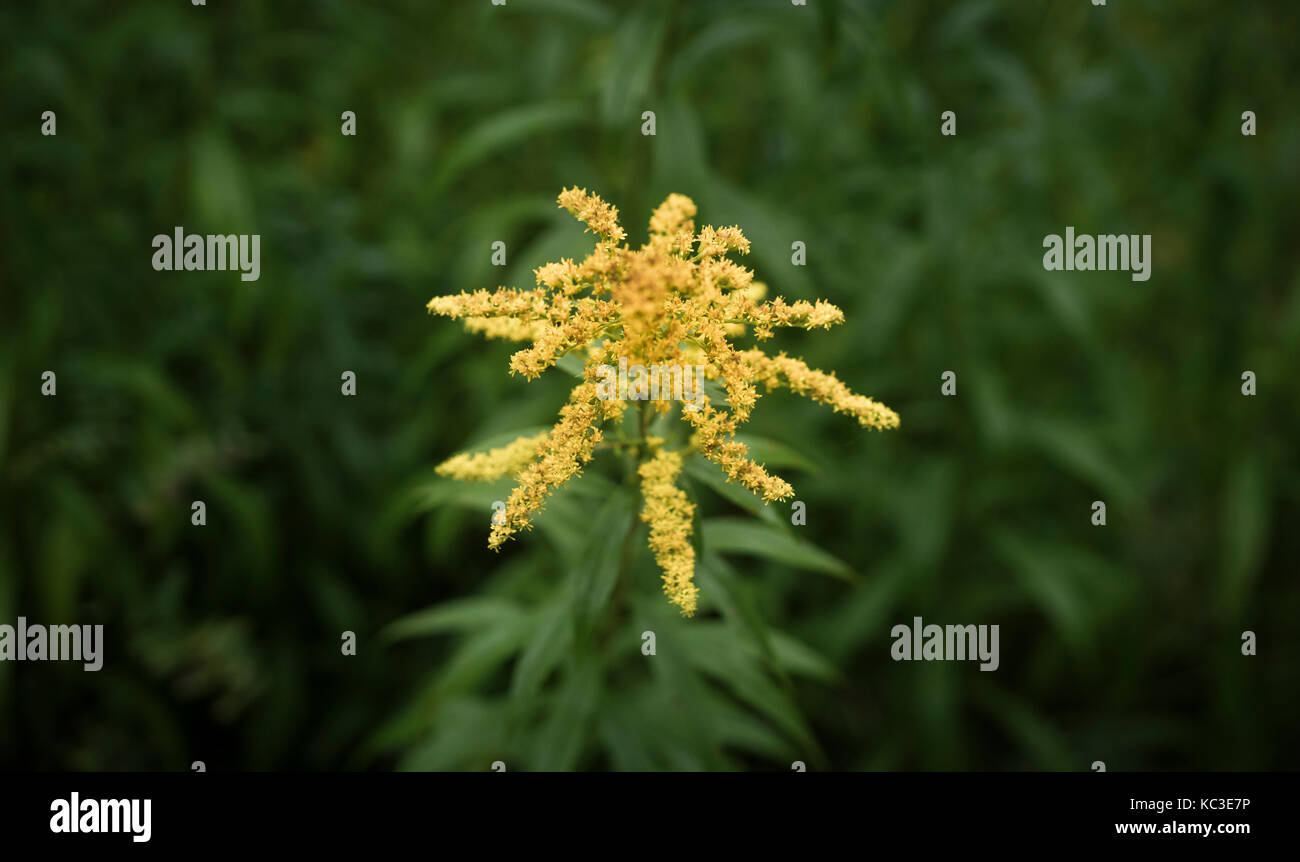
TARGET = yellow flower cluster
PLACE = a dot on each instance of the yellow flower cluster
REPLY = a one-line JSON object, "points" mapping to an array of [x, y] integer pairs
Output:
{"points": [[560, 456], [676, 300], [599, 217], [824, 388], [507, 328], [668, 511], [494, 463]]}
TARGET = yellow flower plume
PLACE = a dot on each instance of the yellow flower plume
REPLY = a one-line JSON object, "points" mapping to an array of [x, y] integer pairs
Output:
{"points": [[668, 511], [676, 301]]}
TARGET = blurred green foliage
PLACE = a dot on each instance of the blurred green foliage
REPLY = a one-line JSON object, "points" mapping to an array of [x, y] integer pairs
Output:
{"points": [[816, 123]]}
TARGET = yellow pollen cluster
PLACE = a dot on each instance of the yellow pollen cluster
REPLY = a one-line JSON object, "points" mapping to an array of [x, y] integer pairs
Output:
{"points": [[782, 370], [677, 301], [494, 463], [668, 511], [599, 217], [561, 456], [507, 328]]}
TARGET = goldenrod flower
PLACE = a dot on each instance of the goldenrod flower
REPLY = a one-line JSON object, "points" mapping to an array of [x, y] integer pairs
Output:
{"points": [[668, 511], [782, 370], [494, 463], [560, 456], [677, 301], [508, 328]]}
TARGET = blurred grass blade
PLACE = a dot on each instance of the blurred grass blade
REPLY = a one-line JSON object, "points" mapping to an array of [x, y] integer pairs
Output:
{"points": [[505, 129], [461, 615], [739, 536]]}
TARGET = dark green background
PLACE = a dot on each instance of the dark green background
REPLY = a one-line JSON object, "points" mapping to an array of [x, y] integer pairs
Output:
{"points": [[819, 124]]}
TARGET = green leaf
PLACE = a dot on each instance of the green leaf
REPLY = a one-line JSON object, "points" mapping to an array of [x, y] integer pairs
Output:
{"points": [[566, 521], [715, 41], [799, 659], [627, 79], [739, 536], [475, 659], [594, 485], [736, 599], [468, 734], [552, 639], [560, 742], [461, 615], [623, 734], [602, 559], [481, 654], [713, 650], [451, 492], [736, 728], [507, 128], [866, 608], [770, 453]]}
